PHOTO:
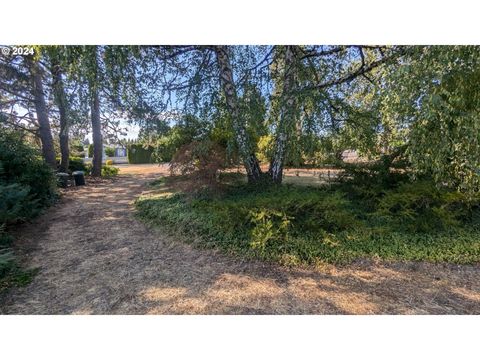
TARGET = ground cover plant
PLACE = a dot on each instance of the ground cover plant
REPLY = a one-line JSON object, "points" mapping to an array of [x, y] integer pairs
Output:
{"points": [[336, 223]]}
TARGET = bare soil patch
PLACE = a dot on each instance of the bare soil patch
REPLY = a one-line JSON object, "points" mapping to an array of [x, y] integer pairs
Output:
{"points": [[96, 258]]}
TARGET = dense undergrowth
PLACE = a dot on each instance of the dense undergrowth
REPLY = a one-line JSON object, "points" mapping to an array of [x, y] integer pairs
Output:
{"points": [[293, 225], [27, 186]]}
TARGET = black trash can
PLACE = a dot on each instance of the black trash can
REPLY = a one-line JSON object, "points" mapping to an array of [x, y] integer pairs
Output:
{"points": [[79, 178], [62, 179]]}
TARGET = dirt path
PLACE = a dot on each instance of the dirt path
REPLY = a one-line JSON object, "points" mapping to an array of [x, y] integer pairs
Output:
{"points": [[96, 258]]}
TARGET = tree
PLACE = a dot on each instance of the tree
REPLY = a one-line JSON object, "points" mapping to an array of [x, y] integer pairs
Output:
{"points": [[111, 75], [244, 143], [88, 70], [38, 93], [30, 98], [60, 98], [310, 87], [95, 115], [23, 96], [287, 117], [432, 102]]}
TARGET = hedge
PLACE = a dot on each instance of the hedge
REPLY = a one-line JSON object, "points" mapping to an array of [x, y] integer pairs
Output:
{"points": [[137, 154], [74, 164]]}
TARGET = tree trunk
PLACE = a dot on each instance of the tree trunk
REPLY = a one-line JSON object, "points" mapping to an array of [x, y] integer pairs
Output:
{"points": [[96, 135], [96, 124], [61, 102], [48, 150], [286, 118], [245, 147]]}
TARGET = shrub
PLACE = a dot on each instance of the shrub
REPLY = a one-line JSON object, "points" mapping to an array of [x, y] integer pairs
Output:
{"points": [[27, 185], [167, 145], [366, 183], [164, 151], [379, 173], [77, 150], [75, 164], [138, 154], [187, 130], [109, 171], [421, 206], [268, 225], [200, 162], [109, 162], [22, 165], [16, 203], [109, 151]]}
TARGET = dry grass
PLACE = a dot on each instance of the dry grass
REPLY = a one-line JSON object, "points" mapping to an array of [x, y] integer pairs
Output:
{"points": [[96, 258], [141, 169]]}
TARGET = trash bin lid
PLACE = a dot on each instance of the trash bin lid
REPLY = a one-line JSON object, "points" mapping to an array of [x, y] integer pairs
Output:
{"points": [[77, 173]]}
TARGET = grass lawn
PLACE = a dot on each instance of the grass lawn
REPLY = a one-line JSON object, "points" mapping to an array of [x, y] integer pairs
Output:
{"points": [[295, 224]]}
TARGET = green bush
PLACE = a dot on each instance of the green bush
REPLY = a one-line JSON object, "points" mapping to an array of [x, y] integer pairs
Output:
{"points": [[109, 171], [379, 174], [366, 183], [22, 165], [16, 203], [200, 163], [165, 148], [77, 150], [188, 130], [268, 225], [27, 185], [109, 162], [109, 151], [75, 164], [421, 206], [138, 154]]}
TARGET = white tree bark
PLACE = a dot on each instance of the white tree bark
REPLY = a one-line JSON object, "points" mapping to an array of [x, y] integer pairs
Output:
{"points": [[241, 136], [287, 115]]}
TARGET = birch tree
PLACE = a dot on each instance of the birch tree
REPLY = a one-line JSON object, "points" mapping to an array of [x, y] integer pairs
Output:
{"points": [[244, 143], [287, 116]]}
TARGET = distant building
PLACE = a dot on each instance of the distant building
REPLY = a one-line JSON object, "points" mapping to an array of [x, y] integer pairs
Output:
{"points": [[120, 151]]}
